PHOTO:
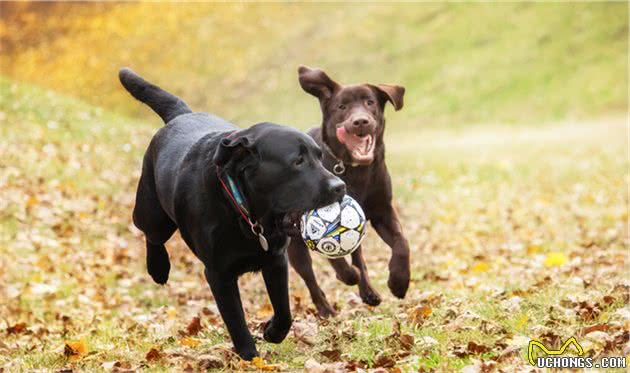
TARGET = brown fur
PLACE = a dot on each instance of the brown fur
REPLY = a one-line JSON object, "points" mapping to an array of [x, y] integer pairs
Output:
{"points": [[359, 110]]}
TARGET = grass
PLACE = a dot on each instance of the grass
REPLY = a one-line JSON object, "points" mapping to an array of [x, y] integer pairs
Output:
{"points": [[509, 164], [505, 63], [486, 209]]}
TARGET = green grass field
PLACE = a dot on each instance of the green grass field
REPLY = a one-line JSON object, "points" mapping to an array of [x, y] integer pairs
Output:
{"points": [[509, 163], [516, 234], [461, 63]]}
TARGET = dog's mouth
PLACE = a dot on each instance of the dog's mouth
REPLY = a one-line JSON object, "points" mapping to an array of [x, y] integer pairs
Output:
{"points": [[291, 221], [360, 147]]}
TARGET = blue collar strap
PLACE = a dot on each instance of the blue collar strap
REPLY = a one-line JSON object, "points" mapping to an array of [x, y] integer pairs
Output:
{"points": [[236, 196]]}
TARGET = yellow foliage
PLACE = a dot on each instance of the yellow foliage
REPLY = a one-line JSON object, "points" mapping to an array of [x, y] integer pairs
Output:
{"points": [[189, 342], [75, 349], [480, 267], [555, 259]]}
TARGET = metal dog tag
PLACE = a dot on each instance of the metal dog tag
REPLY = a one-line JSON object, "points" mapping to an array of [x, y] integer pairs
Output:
{"points": [[263, 242]]}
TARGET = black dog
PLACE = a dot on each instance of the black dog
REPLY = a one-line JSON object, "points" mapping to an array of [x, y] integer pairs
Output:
{"points": [[228, 192], [352, 137]]}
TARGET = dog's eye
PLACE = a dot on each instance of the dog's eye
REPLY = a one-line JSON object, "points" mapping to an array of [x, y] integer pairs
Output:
{"points": [[298, 161], [342, 107], [369, 102]]}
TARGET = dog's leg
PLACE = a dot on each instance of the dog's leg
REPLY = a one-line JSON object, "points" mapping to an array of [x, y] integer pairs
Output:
{"points": [[228, 299], [389, 229], [150, 218], [301, 261], [366, 291], [276, 276], [346, 273]]}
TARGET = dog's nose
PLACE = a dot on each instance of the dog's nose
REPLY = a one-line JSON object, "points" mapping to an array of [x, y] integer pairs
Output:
{"points": [[337, 187], [358, 122]]}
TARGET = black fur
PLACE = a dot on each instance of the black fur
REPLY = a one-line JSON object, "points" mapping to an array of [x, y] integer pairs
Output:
{"points": [[163, 103], [280, 172]]}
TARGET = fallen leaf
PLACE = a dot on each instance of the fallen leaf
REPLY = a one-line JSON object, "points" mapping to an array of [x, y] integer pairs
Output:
{"points": [[384, 361], [479, 366], [418, 314], [117, 366], [427, 342], [520, 323], [17, 328], [555, 259], [74, 350], [210, 362], [305, 332], [595, 328], [406, 341], [171, 313], [194, 326], [472, 348], [265, 311], [480, 267], [313, 366], [189, 342], [599, 337], [153, 355], [332, 355], [259, 363], [533, 249]]}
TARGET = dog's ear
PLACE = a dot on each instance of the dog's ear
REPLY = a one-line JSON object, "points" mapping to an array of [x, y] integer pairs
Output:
{"points": [[391, 93], [233, 148], [316, 82]]}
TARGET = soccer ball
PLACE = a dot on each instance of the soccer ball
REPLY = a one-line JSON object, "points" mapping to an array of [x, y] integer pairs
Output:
{"points": [[335, 230]]}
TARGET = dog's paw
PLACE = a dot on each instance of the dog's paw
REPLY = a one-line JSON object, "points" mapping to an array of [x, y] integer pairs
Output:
{"points": [[274, 332], [398, 283], [158, 265], [399, 274], [369, 296], [325, 310]]}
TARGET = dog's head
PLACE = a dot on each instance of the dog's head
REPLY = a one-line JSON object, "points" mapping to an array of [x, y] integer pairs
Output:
{"points": [[353, 120], [280, 169]]}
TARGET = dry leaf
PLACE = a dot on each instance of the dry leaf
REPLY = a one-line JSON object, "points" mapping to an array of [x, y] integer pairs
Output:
{"points": [[194, 326], [481, 267], [265, 312], [595, 328], [555, 259], [75, 349], [189, 342], [259, 363], [418, 314], [17, 328], [210, 362], [406, 341], [384, 361], [332, 355], [305, 332], [312, 366], [153, 355]]}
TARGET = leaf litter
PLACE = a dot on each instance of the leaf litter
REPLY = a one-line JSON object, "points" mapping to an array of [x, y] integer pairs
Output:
{"points": [[496, 260]]}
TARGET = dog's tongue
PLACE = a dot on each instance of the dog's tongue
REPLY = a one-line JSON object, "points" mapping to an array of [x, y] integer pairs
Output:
{"points": [[360, 147], [351, 141]]}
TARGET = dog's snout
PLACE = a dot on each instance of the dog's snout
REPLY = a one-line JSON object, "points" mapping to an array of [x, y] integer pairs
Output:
{"points": [[337, 187], [361, 121]]}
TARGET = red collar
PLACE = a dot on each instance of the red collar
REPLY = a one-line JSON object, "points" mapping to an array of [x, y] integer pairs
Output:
{"points": [[236, 196]]}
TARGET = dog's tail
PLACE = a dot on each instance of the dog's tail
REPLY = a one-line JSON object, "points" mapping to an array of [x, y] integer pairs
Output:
{"points": [[166, 105]]}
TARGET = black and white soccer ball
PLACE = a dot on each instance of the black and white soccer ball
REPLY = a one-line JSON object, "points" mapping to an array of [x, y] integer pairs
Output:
{"points": [[335, 230]]}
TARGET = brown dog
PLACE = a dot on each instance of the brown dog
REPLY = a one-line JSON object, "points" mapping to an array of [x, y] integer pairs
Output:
{"points": [[351, 137]]}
